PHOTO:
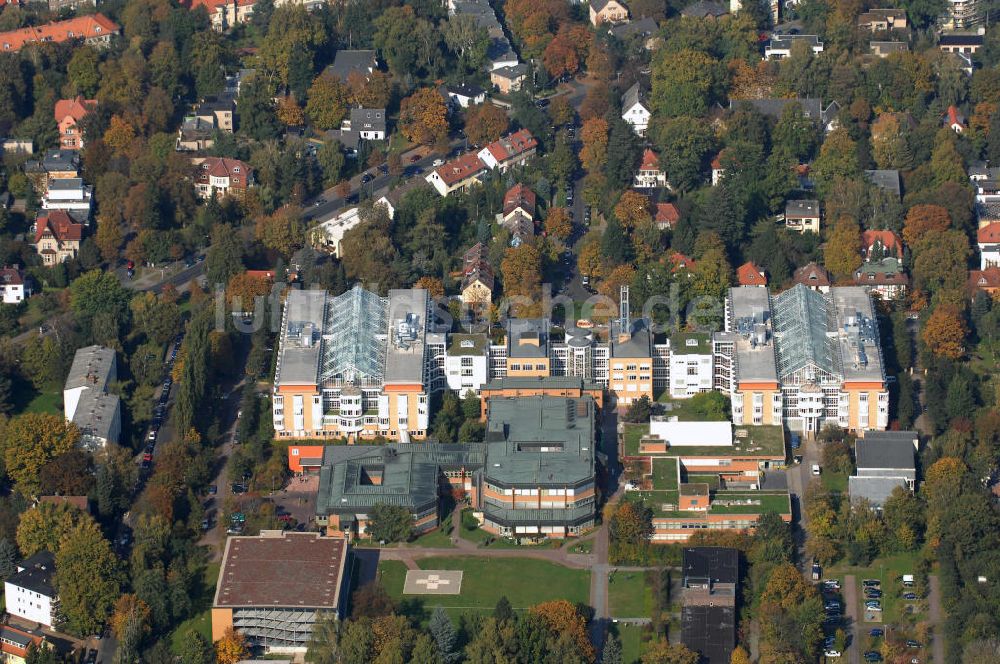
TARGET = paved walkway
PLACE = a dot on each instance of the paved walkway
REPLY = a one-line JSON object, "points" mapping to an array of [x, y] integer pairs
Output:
{"points": [[937, 618], [853, 628]]}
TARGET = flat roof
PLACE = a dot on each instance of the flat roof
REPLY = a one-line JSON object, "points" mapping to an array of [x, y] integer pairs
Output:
{"points": [[546, 382], [405, 343], [638, 344], [710, 631], [760, 441], [885, 454], [687, 434], [528, 337], [282, 570], [874, 489], [302, 328], [91, 368], [755, 354], [467, 344], [718, 563], [857, 334], [691, 343]]}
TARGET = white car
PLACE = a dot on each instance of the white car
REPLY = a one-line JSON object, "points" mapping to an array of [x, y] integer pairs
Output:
{"points": [[438, 162], [832, 653], [815, 469]]}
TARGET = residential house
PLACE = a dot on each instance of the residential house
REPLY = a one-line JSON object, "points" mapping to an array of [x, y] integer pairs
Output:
{"points": [[458, 174], [876, 245], [57, 237], [884, 49], [13, 289], [499, 53], [272, 609], [709, 582], [960, 42], [30, 593], [71, 195], [681, 264], [54, 164], [780, 46], [221, 177], [706, 9], [814, 277], [812, 108], [464, 95], [645, 29], [87, 403], [607, 11], [69, 113], [347, 62], [196, 134], [394, 198], [361, 124], [650, 175], [883, 20], [518, 215], [635, 109], [884, 277], [717, 169], [987, 281], [963, 15], [988, 240], [18, 146], [885, 460], [219, 112], [16, 641], [749, 274], [802, 216], [478, 280], [886, 180], [954, 120], [509, 78], [329, 234], [94, 29], [667, 215], [510, 151], [225, 14]]}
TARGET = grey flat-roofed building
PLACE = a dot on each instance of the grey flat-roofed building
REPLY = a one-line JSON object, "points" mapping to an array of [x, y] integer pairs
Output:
{"points": [[528, 337], [301, 335], [86, 401], [709, 631], [708, 615], [637, 341], [404, 357], [875, 490], [885, 460], [911, 437], [748, 319]]}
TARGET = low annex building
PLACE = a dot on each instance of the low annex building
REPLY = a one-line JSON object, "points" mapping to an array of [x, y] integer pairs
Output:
{"points": [[710, 577], [885, 460], [274, 588]]}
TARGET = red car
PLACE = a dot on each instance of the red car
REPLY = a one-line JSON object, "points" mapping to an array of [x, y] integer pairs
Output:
{"points": [[148, 456]]}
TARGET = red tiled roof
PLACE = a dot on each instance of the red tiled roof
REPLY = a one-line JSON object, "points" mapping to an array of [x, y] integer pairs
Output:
{"points": [[74, 108], [954, 117], [749, 274], [81, 27], [11, 276], [667, 214], [261, 274], [681, 262], [223, 167], [717, 160], [460, 168], [889, 240], [988, 279], [513, 145], [60, 225], [79, 502], [519, 196], [650, 162], [989, 234]]}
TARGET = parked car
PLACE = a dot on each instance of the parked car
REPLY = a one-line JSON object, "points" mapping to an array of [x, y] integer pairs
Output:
{"points": [[874, 605], [910, 643], [151, 436], [872, 593], [816, 469], [875, 632], [438, 162], [910, 596], [796, 441], [212, 489], [872, 656], [871, 583], [831, 652], [833, 584], [238, 488]]}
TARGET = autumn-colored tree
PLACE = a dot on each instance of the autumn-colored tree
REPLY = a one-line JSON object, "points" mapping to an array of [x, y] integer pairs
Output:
{"points": [[560, 57], [889, 146], [739, 656], [939, 264], [290, 113], [920, 220], [522, 278], [746, 82], [119, 134], [30, 441], [282, 231], [127, 608], [558, 223], [842, 251], [327, 102], [560, 111], [371, 91], [712, 273], [231, 648], [612, 283], [243, 290], [108, 237], [41, 528], [943, 479], [594, 135], [87, 578], [423, 117], [432, 285], [561, 617], [632, 209], [945, 332], [589, 260], [663, 652], [485, 123]]}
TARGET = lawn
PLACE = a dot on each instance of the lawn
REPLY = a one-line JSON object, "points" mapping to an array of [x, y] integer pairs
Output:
{"points": [[524, 581], [629, 596], [631, 638], [435, 539], [49, 401], [201, 622], [665, 473], [834, 482]]}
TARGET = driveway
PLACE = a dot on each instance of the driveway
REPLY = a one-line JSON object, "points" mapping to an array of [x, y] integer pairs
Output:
{"points": [[852, 626], [937, 618]]}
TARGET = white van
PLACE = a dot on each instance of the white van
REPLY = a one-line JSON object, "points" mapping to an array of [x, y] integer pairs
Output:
{"points": [[815, 469]]}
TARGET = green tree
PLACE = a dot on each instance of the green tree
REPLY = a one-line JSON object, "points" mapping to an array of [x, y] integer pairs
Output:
{"points": [[322, 646], [837, 157], [795, 133], [98, 297], [612, 653], [466, 38], [327, 101], [157, 317], [685, 143], [390, 523], [946, 162], [330, 156], [9, 557], [257, 112], [842, 251], [87, 578], [224, 257], [408, 43], [685, 83], [83, 71]]}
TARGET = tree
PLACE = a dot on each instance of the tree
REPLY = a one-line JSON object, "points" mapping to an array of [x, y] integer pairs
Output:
{"points": [[40, 529], [945, 332], [158, 318], [83, 70], [922, 219], [560, 57], [889, 145], [939, 263], [256, 104], [432, 285], [522, 275], [423, 117], [224, 258], [30, 441], [445, 636], [946, 163], [485, 123], [639, 410], [558, 224], [327, 101], [685, 143], [589, 260], [594, 136], [120, 134], [408, 43], [290, 113], [231, 648], [243, 291], [795, 133], [562, 617], [632, 209], [739, 656], [371, 91], [282, 231], [684, 83], [465, 37], [842, 251], [612, 653], [662, 652], [100, 294], [87, 578], [371, 601], [837, 157], [195, 649], [127, 608], [9, 557], [69, 474], [389, 523]]}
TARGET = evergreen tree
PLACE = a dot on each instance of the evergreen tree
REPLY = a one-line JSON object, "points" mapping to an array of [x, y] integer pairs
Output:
{"points": [[444, 634], [612, 651], [503, 611], [623, 154], [9, 557], [614, 244]]}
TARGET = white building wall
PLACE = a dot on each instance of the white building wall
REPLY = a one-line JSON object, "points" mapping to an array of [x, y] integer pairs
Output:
{"points": [[27, 604]]}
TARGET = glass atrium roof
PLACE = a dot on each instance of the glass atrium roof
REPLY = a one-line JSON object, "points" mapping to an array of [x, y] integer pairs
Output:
{"points": [[801, 320], [355, 337]]}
